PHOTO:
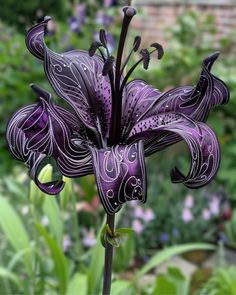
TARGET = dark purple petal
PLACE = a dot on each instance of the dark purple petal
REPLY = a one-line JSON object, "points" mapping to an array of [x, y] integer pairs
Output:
{"points": [[195, 102], [77, 78], [17, 144], [137, 99], [120, 175], [201, 140], [45, 129]]}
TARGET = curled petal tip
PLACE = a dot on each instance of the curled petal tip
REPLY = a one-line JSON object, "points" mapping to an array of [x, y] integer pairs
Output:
{"points": [[47, 18], [40, 92], [176, 176]]}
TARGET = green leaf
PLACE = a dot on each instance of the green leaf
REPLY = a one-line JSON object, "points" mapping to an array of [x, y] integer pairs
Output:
{"points": [[60, 263], [78, 285], [36, 195], [96, 265], [6, 274], [124, 230], [15, 232], [67, 192], [169, 252], [164, 287], [51, 210], [121, 287]]}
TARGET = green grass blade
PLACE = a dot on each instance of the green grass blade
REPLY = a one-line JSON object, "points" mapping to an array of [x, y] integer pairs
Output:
{"points": [[15, 232], [169, 252], [60, 263], [51, 210], [78, 285], [96, 265], [6, 274]]}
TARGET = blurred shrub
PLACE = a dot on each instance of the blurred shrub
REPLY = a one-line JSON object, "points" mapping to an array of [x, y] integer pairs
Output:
{"points": [[23, 13]]}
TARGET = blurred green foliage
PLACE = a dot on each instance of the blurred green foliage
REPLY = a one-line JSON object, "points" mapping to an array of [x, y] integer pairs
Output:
{"points": [[24, 13]]}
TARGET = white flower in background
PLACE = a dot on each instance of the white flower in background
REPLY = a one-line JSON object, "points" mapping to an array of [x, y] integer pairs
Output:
{"points": [[187, 215], [206, 214], [189, 201], [44, 220], [25, 210], [214, 205], [89, 238], [137, 226], [148, 215], [138, 212], [66, 242]]}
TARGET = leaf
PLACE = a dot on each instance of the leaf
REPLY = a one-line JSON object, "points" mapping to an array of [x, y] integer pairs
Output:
{"points": [[51, 210], [36, 195], [6, 274], [78, 285], [60, 263], [164, 287], [124, 231], [15, 232], [96, 265], [67, 192], [120, 287], [169, 252]]}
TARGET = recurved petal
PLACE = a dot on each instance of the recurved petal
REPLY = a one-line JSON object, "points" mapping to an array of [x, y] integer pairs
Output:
{"points": [[194, 102], [77, 78], [17, 143], [201, 140], [120, 175], [46, 130]]}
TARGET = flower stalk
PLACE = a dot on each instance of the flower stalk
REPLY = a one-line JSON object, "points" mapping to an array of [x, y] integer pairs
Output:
{"points": [[108, 258]]}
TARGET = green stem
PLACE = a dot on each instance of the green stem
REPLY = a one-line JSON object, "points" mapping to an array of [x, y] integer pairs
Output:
{"points": [[108, 259]]}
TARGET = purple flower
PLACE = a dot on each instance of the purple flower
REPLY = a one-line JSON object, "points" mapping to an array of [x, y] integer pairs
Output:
{"points": [[89, 238], [137, 226], [112, 124], [76, 22], [206, 214], [187, 215], [104, 19], [109, 3], [214, 205], [189, 201], [164, 237]]}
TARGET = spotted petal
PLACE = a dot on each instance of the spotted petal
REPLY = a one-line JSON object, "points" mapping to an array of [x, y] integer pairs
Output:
{"points": [[46, 130], [120, 175], [77, 78], [195, 102], [201, 140]]}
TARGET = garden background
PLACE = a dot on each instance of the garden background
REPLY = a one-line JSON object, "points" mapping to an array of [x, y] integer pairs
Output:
{"points": [[49, 245]]}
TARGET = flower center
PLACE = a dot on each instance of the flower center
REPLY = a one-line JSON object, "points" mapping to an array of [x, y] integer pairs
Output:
{"points": [[114, 68]]}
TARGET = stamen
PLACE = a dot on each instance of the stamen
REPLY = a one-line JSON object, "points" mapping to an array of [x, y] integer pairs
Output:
{"points": [[159, 48], [93, 48], [130, 72], [103, 40], [146, 58], [136, 44]]}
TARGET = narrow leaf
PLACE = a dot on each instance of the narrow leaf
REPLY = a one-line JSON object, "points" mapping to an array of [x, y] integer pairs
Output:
{"points": [[60, 263], [15, 232], [78, 285], [169, 252]]}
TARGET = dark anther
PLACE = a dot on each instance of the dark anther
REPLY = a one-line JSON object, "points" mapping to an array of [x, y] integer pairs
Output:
{"points": [[159, 48], [129, 11], [103, 38], [93, 48], [108, 65], [137, 42], [146, 58]]}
